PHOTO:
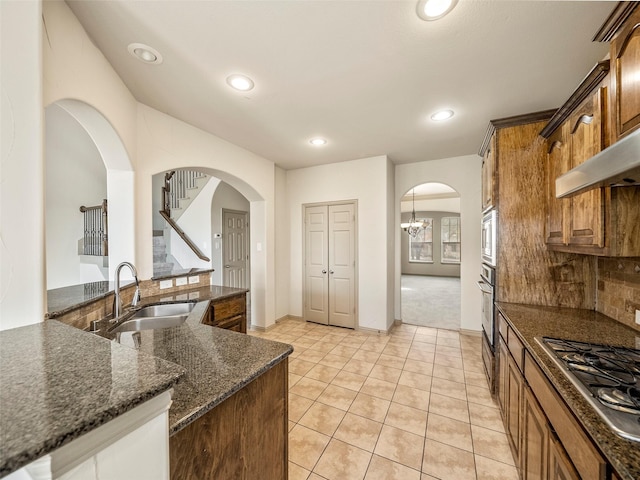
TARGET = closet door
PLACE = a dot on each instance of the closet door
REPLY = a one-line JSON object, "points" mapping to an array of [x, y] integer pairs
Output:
{"points": [[316, 295], [342, 265]]}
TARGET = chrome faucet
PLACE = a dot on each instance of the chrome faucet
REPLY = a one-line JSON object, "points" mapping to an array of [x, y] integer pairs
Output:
{"points": [[117, 301]]}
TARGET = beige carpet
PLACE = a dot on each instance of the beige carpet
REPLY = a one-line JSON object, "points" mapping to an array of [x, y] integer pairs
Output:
{"points": [[431, 301]]}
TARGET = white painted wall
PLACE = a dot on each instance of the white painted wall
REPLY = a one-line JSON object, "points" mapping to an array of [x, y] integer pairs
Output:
{"points": [[228, 198], [75, 176], [366, 181], [195, 221], [434, 205], [22, 277], [282, 250], [462, 174]]}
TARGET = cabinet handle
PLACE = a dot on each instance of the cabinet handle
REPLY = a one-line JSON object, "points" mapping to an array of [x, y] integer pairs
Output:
{"points": [[556, 144], [586, 119]]}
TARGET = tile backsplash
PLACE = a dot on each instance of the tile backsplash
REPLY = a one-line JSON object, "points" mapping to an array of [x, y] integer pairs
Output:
{"points": [[618, 294]]}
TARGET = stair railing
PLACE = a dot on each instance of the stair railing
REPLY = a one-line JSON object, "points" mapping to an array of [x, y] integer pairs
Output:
{"points": [[95, 239], [166, 210]]}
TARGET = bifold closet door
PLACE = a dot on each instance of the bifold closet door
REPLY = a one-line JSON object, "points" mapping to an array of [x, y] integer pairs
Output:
{"points": [[330, 264]]}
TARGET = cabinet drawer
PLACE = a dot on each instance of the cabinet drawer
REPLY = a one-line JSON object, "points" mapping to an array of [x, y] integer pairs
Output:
{"points": [[516, 348], [233, 323], [502, 326], [229, 307], [586, 459]]}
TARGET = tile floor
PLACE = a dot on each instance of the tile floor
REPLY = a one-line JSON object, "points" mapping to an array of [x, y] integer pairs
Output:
{"points": [[412, 405]]}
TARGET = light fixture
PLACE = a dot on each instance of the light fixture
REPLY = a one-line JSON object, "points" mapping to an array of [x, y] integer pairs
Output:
{"points": [[240, 82], [413, 226], [318, 142], [145, 53], [434, 9], [442, 115]]}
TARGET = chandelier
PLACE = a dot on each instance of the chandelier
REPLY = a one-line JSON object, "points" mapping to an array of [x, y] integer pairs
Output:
{"points": [[413, 226]]}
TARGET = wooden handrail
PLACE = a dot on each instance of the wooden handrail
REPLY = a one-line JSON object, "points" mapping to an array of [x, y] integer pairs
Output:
{"points": [[184, 236]]}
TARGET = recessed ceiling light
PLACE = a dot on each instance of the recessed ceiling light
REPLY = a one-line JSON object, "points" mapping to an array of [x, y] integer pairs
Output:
{"points": [[240, 82], [434, 9], [318, 142], [441, 115], [145, 53]]}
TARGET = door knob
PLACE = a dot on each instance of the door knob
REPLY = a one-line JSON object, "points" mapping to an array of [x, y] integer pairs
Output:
{"points": [[227, 266], [331, 271], [324, 271]]}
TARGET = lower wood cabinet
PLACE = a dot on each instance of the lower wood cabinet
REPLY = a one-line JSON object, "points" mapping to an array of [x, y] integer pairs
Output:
{"points": [[560, 467], [229, 313], [535, 439]]}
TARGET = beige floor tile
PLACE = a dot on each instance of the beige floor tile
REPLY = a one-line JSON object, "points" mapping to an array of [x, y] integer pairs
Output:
{"points": [[424, 477], [296, 353], [415, 380], [411, 397], [448, 373], [417, 366], [378, 388], [291, 425], [373, 347], [449, 407], [313, 356], [453, 342], [353, 341], [321, 346], [296, 472], [342, 461], [359, 367], [491, 444], [293, 379], [370, 407], [396, 351], [381, 468], [400, 446], [427, 331], [298, 406], [487, 417], [391, 361], [323, 373], [315, 335], [480, 395], [359, 431], [421, 355], [401, 341], [334, 361], [338, 397], [344, 351], [322, 418], [315, 476], [423, 346], [304, 342], [300, 367], [448, 360], [388, 374], [449, 351], [309, 388], [306, 446], [366, 356], [449, 431], [487, 469], [473, 365], [423, 338], [479, 379], [349, 380], [447, 463], [407, 418], [449, 389]]}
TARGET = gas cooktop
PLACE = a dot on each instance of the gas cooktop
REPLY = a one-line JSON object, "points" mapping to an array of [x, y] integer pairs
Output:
{"points": [[607, 376]]}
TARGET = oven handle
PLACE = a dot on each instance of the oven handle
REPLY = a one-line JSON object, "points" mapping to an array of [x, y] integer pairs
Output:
{"points": [[481, 285]]}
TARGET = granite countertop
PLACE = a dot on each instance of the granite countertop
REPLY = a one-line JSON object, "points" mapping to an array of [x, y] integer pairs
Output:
{"points": [[585, 326], [58, 383], [181, 272], [218, 362], [64, 299]]}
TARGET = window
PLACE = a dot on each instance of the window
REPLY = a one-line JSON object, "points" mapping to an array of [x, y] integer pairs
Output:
{"points": [[421, 247], [450, 234]]}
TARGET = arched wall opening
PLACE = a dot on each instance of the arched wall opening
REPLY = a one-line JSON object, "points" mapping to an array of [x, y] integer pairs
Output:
{"points": [[118, 188]]}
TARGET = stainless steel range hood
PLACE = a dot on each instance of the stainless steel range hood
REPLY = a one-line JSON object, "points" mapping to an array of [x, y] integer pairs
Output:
{"points": [[616, 165]]}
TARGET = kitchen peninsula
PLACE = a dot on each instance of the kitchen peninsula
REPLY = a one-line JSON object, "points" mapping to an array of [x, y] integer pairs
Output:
{"points": [[231, 392]]}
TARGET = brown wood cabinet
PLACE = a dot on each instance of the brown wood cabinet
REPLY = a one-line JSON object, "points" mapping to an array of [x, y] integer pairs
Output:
{"points": [[558, 162], [535, 440], [560, 467], [625, 55], [488, 175], [229, 313]]}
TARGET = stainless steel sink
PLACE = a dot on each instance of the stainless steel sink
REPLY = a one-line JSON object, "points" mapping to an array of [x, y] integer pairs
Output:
{"points": [[156, 316]]}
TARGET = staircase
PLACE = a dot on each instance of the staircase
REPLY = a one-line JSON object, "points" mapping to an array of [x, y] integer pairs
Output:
{"points": [[162, 264]]}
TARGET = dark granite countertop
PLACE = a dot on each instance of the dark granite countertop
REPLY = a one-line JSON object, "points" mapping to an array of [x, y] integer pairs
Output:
{"points": [[64, 299], [585, 326], [57, 383], [181, 272], [218, 362]]}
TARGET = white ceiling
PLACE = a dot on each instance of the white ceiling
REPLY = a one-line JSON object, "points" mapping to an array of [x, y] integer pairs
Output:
{"points": [[365, 74]]}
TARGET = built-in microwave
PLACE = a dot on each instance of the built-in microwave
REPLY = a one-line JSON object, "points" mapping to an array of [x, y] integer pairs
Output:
{"points": [[489, 238]]}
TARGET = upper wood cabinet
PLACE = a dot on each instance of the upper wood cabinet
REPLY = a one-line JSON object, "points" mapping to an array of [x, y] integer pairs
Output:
{"points": [[488, 175], [625, 55]]}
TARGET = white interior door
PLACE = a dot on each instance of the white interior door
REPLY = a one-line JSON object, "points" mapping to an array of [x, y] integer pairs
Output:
{"points": [[316, 301], [329, 292], [342, 265], [235, 256]]}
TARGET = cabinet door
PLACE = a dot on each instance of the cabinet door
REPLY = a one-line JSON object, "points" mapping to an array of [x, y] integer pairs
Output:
{"points": [[560, 467], [502, 375], [514, 403], [558, 163], [625, 54], [488, 172], [535, 439], [587, 139]]}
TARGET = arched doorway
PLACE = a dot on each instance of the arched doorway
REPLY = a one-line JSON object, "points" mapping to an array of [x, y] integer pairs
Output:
{"points": [[430, 256]]}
